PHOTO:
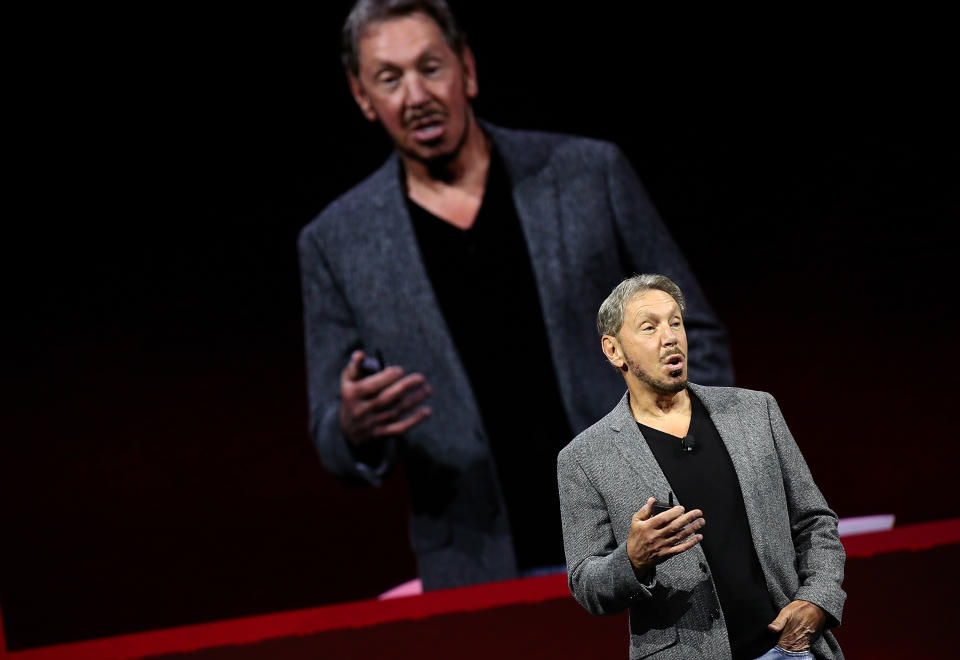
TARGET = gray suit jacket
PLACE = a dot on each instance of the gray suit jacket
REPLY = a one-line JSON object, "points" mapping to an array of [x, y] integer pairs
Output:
{"points": [[587, 224], [607, 473]]}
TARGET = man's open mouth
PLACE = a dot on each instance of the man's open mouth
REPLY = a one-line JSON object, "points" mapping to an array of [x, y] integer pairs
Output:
{"points": [[427, 131]]}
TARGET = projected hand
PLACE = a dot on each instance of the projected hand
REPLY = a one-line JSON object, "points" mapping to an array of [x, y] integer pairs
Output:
{"points": [[383, 404]]}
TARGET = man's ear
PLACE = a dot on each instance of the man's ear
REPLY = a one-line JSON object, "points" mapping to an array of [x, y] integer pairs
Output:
{"points": [[470, 86], [360, 96], [611, 348]]}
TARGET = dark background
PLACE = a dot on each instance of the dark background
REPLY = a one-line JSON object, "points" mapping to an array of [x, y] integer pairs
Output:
{"points": [[155, 466]]}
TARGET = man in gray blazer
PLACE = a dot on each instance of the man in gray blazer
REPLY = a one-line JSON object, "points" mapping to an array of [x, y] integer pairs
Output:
{"points": [[475, 252], [763, 578]]}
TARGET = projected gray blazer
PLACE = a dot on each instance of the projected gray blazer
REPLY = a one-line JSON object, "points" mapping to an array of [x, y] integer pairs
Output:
{"points": [[607, 473], [587, 223]]}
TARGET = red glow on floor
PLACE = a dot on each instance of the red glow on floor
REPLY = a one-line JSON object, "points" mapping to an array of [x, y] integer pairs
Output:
{"points": [[249, 630]]}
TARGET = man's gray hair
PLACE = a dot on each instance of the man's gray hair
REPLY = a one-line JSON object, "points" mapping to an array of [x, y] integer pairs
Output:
{"points": [[366, 12], [610, 316]]}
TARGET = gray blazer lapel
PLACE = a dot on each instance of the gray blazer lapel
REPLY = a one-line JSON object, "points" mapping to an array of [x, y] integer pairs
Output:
{"points": [[725, 411], [414, 307], [631, 444], [535, 196]]}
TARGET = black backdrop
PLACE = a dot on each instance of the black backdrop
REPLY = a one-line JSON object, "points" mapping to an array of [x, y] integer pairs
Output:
{"points": [[156, 469]]}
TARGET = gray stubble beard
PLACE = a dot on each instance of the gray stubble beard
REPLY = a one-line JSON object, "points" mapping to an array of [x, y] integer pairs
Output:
{"points": [[654, 384]]}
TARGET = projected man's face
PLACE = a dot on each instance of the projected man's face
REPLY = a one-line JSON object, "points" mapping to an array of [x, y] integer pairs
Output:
{"points": [[415, 84]]}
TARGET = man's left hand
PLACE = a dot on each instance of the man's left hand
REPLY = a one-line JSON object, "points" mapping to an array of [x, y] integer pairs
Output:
{"points": [[799, 625]]}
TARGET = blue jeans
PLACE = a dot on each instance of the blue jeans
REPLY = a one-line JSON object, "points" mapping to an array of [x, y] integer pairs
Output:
{"points": [[543, 570], [777, 653]]}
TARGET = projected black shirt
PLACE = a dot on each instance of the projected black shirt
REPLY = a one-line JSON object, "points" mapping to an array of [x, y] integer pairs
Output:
{"points": [[485, 287]]}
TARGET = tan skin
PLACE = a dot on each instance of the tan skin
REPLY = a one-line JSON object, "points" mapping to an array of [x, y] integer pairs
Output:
{"points": [[653, 540], [419, 90], [650, 352], [381, 405], [800, 623]]}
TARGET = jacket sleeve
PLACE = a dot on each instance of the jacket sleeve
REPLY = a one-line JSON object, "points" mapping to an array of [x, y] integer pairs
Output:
{"points": [[599, 572], [331, 335], [647, 247], [820, 554]]}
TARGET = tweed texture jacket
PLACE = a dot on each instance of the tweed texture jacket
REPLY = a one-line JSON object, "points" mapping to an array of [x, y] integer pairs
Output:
{"points": [[587, 223], [607, 473]]}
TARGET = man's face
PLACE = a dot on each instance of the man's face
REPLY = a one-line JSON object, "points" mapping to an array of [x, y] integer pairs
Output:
{"points": [[652, 345], [416, 86]]}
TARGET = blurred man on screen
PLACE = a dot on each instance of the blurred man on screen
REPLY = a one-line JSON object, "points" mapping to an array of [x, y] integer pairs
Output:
{"points": [[472, 261]]}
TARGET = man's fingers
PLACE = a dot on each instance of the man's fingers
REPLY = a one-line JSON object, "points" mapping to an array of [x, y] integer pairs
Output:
{"points": [[794, 638], [394, 400], [691, 520], [352, 370], [412, 397], [777, 624], [793, 643], [404, 425], [396, 392], [684, 532], [691, 541], [676, 517], [643, 513], [664, 518], [685, 525], [799, 623], [371, 386]]}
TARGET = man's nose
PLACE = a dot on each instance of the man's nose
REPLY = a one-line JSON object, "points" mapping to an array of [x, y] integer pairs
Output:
{"points": [[416, 90], [669, 337]]}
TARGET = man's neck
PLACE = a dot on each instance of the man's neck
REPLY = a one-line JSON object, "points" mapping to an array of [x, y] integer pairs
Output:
{"points": [[454, 190], [650, 406]]}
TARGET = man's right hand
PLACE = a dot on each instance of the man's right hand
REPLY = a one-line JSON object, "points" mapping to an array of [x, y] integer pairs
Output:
{"points": [[382, 404], [654, 539]]}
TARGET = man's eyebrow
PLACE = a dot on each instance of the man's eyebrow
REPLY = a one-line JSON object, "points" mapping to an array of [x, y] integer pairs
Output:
{"points": [[381, 66], [430, 54], [643, 315], [648, 315]]}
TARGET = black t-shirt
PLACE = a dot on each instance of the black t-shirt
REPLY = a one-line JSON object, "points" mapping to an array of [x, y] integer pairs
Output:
{"points": [[485, 287], [705, 479]]}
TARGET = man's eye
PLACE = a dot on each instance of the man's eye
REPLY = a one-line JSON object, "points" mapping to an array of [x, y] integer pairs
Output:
{"points": [[431, 68], [387, 79]]}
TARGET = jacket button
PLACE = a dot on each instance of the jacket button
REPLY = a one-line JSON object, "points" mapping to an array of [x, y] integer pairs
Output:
{"points": [[715, 614], [703, 567]]}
